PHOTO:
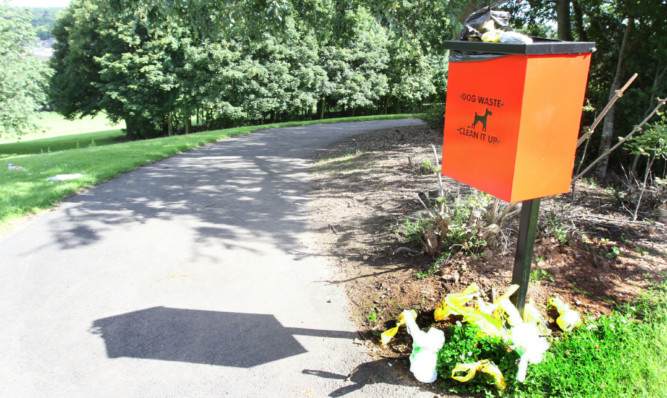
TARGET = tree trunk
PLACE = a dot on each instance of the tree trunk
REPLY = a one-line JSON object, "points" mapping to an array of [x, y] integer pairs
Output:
{"points": [[170, 124], [608, 126], [188, 124], [563, 18], [321, 107], [579, 21]]}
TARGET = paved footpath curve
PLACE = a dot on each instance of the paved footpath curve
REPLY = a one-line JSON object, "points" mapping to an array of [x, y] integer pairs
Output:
{"points": [[186, 278]]}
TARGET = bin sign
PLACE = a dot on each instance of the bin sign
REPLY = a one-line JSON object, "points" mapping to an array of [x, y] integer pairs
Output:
{"points": [[512, 117]]}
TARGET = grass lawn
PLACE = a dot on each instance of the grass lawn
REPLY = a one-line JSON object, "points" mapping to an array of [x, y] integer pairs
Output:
{"points": [[619, 355], [52, 124], [98, 157]]}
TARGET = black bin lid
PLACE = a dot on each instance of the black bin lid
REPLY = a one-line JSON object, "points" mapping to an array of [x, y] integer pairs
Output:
{"points": [[539, 46]]}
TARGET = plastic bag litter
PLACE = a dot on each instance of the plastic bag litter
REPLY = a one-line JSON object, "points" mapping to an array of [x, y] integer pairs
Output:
{"points": [[502, 319], [12, 167], [481, 26], [483, 21], [64, 177], [453, 303], [568, 319], [532, 315], [389, 334], [514, 37], [425, 347], [530, 346], [469, 370]]}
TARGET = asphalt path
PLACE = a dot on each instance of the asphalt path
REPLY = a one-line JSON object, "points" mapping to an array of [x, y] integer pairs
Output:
{"points": [[195, 276]]}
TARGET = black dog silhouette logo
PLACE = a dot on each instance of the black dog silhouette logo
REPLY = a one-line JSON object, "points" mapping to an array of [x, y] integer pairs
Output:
{"points": [[482, 119]]}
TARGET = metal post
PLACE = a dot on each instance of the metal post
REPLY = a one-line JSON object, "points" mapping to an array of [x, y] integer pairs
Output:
{"points": [[524, 251]]}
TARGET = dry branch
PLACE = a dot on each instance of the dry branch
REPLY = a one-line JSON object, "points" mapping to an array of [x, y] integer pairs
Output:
{"points": [[619, 94], [637, 128]]}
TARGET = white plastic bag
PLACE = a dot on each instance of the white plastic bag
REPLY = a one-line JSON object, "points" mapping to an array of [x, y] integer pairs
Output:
{"points": [[425, 347]]}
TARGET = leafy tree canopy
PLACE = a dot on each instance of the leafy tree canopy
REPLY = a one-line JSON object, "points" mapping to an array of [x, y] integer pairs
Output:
{"points": [[22, 76]]}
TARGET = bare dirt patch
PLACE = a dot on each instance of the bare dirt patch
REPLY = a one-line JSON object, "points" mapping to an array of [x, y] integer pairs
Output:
{"points": [[364, 188]]}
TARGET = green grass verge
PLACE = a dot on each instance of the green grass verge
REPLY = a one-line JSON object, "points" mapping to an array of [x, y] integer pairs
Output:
{"points": [[60, 143], [26, 191], [620, 355], [51, 124]]}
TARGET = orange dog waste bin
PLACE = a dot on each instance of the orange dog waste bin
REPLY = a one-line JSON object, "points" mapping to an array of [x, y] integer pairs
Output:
{"points": [[512, 115]]}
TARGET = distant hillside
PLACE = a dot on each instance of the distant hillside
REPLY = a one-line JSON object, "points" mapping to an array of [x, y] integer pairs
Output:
{"points": [[43, 19]]}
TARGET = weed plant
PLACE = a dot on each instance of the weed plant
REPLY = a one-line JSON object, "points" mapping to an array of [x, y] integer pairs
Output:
{"points": [[466, 225], [467, 344], [557, 228]]}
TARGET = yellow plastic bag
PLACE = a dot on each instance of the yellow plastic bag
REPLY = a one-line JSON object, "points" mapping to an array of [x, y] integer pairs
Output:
{"points": [[454, 303], [487, 323], [389, 334], [568, 319], [506, 313], [469, 370], [532, 316]]}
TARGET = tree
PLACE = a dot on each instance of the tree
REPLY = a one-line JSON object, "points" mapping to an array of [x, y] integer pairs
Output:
{"points": [[22, 76]]}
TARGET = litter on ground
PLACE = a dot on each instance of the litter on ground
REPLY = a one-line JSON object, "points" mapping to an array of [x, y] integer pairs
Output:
{"points": [[64, 177]]}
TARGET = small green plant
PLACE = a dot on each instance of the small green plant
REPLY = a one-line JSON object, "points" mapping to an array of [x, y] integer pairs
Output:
{"points": [[413, 231], [434, 267], [615, 252], [463, 226], [539, 275], [372, 317], [466, 228], [642, 251], [556, 227], [467, 344], [427, 167]]}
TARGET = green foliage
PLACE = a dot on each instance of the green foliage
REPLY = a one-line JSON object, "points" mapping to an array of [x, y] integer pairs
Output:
{"points": [[413, 231], [62, 143], [435, 266], [43, 20], [620, 355], [467, 344], [467, 227], [557, 228], [426, 167], [652, 142], [434, 115], [538, 275], [372, 317], [22, 76], [157, 65]]}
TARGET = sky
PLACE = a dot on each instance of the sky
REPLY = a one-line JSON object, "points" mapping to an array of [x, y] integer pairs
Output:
{"points": [[39, 3]]}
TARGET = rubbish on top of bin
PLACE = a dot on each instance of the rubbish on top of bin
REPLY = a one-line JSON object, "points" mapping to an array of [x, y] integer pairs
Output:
{"points": [[484, 21], [389, 334], [481, 26]]}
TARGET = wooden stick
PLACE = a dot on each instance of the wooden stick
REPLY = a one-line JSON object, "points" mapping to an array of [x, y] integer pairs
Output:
{"points": [[617, 95], [637, 128]]}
